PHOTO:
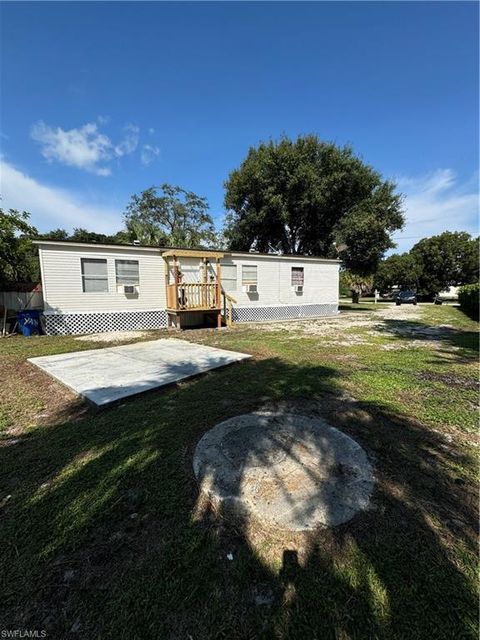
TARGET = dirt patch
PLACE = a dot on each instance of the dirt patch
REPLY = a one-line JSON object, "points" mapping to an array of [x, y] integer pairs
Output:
{"points": [[332, 325], [450, 380], [317, 326], [113, 336], [402, 312], [395, 322]]}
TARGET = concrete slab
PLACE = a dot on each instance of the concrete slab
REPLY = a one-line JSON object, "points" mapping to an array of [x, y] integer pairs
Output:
{"points": [[106, 375], [286, 472]]}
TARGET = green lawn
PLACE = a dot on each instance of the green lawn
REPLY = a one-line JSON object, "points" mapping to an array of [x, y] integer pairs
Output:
{"points": [[101, 537]]}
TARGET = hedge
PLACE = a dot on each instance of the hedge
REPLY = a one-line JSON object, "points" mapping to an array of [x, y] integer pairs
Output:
{"points": [[469, 299]]}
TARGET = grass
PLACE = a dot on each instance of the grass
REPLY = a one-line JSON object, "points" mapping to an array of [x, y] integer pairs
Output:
{"points": [[101, 537]]}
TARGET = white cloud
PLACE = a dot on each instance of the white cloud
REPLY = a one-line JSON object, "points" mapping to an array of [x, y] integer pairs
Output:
{"points": [[83, 148], [149, 153], [129, 142], [86, 147], [52, 207], [434, 203]]}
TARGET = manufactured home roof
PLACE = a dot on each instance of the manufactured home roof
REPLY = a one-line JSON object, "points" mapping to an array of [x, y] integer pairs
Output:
{"points": [[98, 245]]}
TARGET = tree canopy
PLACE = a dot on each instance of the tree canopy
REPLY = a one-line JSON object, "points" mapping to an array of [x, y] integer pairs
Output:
{"points": [[176, 217], [18, 261], [398, 270], [433, 264], [84, 235], [311, 197], [446, 260]]}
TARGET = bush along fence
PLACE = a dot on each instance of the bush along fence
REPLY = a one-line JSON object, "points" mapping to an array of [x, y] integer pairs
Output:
{"points": [[469, 299]]}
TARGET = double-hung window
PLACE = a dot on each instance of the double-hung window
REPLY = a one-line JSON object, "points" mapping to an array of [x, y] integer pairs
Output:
{"points": [[297, 276], [249, 274], [94, 275], [127, 273], [229, 276]]}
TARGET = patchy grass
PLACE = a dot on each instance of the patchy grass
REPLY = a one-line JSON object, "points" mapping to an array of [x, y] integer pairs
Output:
{"points": [[98, 534]]}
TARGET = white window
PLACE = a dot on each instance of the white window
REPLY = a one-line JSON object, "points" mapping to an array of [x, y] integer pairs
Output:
{"points": [[249, 274], [229, 277], [94, 275], [127, 272], [297, 276]]}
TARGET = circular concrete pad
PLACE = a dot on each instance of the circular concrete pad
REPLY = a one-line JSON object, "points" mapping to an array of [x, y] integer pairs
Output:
{"points": [[287, 471]]}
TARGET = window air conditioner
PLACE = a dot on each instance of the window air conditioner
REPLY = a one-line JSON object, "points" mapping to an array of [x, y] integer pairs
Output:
{"points": [[298, 288], [129, 288], [252, 288]]}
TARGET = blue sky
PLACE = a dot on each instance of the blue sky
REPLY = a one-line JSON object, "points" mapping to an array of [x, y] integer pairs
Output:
{"points": [[102, 100]]}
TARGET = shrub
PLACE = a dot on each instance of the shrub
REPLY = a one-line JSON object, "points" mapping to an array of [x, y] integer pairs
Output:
{"points": [[469, 299]]}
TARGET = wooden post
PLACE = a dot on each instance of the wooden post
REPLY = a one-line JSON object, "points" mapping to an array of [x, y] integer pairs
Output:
{"points": [[218, 294], [218, 289], [175, 276], [205, 282], [167, 279]]}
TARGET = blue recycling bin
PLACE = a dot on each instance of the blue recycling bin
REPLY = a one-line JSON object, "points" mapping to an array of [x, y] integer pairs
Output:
{"points": [[29, 322]]}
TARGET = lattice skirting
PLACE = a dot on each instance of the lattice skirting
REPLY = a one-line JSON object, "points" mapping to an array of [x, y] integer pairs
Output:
{"points": [[286, 312], [76, 323]]}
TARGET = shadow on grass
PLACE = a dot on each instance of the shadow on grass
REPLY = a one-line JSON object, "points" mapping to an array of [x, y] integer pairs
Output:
{"points": [[468, 341], [472, 313], [98, 537], [361, 306]]}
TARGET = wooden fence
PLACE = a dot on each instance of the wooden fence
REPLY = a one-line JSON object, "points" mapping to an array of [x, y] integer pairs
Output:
{"points": [[18, 300]]}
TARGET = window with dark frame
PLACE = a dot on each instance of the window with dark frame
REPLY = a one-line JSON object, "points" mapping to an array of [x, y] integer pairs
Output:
{"points": [[297, 276], [94, 275]]}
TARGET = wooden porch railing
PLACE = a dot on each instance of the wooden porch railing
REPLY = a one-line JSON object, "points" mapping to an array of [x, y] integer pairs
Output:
{"points": [[228, 300], [198, 296]]}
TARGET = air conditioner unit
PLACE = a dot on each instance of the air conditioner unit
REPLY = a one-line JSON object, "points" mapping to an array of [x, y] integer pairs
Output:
{"points": [[129, 288], [252, 288], [298, 288]]}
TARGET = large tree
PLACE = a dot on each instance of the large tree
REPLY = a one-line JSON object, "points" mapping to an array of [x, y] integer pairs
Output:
{"points": [[400, 269], [446, 260], [18, 260], [311, 197], [175, 217]]}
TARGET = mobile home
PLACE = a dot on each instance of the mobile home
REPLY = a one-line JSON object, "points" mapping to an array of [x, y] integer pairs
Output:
{"points": [[90, 288]]}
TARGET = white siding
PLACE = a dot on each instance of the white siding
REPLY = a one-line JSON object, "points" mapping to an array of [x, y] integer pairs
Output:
{"points": [[62, 280], [274, 281], [63, 292]]}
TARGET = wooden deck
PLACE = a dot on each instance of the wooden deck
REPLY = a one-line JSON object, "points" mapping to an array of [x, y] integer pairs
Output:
{"points": [[203, 297]]}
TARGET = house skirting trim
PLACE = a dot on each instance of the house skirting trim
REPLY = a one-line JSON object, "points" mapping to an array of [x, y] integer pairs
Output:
{"points": [[77, 323], [60, 324], [283, 312]]}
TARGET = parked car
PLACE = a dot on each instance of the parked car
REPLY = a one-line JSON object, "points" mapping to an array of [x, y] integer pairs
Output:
{"points": [[406, 297], [391, 294]]}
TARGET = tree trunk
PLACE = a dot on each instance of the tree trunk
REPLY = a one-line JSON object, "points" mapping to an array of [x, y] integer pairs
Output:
{"points": [[355, 297]]}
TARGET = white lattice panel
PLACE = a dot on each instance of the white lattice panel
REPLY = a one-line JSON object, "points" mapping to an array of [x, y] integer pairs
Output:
{"points": [[81, 323], [77, 323], [261, 314]]}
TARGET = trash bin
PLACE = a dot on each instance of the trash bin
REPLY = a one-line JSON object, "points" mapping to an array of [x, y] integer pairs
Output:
{"points": [[29, 322]]}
